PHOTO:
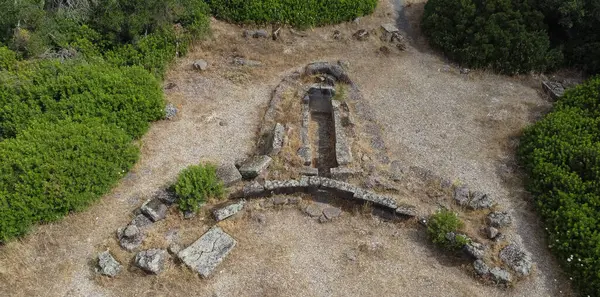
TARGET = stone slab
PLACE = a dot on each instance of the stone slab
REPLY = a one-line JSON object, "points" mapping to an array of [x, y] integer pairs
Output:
{"points": [[254, 166], [204, 255], [343, 154], [229, 174], [229, 210], [276, 140]]}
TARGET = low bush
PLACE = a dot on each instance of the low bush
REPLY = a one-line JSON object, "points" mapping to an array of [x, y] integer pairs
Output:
{"points": [[301, 13], [442, 223], [8, 59], [49, 90], [561, 153], [50, 169], [508, 36], [196, 184]]}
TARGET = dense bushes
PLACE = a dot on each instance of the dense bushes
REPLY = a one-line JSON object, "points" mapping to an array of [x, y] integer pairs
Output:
{"points": [[506, 35], [440, 225], [562, 155], [50, 169], [302, 13], [196, 184]]}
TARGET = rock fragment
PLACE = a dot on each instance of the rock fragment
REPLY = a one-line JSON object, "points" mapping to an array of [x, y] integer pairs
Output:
{"points": [[107, 265], [152, 260], [204, 255]]}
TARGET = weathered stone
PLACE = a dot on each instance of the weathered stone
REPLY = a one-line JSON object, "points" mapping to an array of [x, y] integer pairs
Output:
{"points": [[166, 196], [499, 219], [309, 171], [280, 200], [287, 186], [174, 248], [306, 155], [154, 209], [376, 181], [361, 35], [239, 61], [481, 268], [491, 232], [339, 188], [554, 89], [253, 189], [332, 212], [343, 153], [130, 237], [474, 249], [229, 210], [141, 221], [152, 260], [343, 173], [170, 111], [107, 265], [517, 259], [256, 33], [388, 31], [313, 210], [500, 275], [200, 65], [361, 194], [254, 166], [276, 140], [228, 174], [314, 182], [480, 201], [294, 200], [461, 195], [188, 214], [323, 219], [406, 211], [334, 70], [204, 255]]}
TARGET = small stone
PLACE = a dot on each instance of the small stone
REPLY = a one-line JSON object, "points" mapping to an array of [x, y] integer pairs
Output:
{"points": [[254, 166], [154, 209], [554, 89], [481, 268], [228, 211], [131, 231], [200, 65], [337, 35], [361, 35], [313, 210], [166, 196], [309, 171], [253, 189], [491, 232], [280, 200], [474, 250], [206, 253], [108, 265], [170, 111], [262, 33], [141, 221], [518, 260], [499, 219], [461, 195], [174, 248], [294, 200], [130, 238], [480, 201], [151, 261], [465, 70], [500, 275], [239, 61], [332, 212], [222, 123], [228, 174]]}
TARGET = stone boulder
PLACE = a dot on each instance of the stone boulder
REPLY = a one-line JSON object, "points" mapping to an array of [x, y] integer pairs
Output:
{"points": [[170, 111], [130, 237], [517, 259], [334, 70], [480, 200], [107, 265], [204, 255], [499, 219], [228, 174], [474, 250], [152, 260], [481, 268], [154, 209], [406, 210], [254, 166], [262, 33], [500, 275], [461, 195], [554, 89], [229, 210], [166, 196], [141, 221], [253, 189], [200, 65]]}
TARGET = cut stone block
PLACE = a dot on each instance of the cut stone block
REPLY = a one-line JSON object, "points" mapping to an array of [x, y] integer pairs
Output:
{"points": [[376, 199], [276, 140], [309, 171], [141, 221], [554, 89], [151, 261], [343, 154], [204, 255], [229, 174], [343, 172], [227, 211], [254, 166], [253, 189], [287, 186], [154, 209]]}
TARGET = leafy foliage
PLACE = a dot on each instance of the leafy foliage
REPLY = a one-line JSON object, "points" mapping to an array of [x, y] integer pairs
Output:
{"points": [[442, 223], [300, 13], [8, 59], [196, 184], [508, 36], [50, 169], [562, 156]]}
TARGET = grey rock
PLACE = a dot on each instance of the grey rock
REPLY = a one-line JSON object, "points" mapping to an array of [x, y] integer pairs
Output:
{"points": [[517, 259], [346, 190], [141, 221], [276, 140], [499, 219], [166, 196], [188, 214], [228, 211], [380, 200], [201, 65], [500, 275], [309, 171], [461, 195], [107, 265], [280, 200], [491, 232], [331, 213], [323, 219], [253, 189], [343, 173], [445, 183], [131, 231], [313, 210], [306, 155], [254, 166], [474, 249], [204, 255], [334, 70], [554, 89], [152, 260], [154, 209], [239, 61], [174, 248], [481, 268], [170, 111], [406, 211], [229, 174], [130, 237], [256, 33], [295, 200], [480, 201], [287, 186]]}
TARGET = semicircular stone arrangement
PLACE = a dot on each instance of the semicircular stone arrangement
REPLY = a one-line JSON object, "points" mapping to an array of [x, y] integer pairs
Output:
{"points": [[318, 138]]}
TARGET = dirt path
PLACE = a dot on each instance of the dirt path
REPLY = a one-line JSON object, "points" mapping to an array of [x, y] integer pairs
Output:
{"points": [[458, 126]]}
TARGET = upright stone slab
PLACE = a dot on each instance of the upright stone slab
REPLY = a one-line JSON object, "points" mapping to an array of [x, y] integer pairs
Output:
{"points": [[228, 174], [254, 166], [343, 154], [276, 140], [204, 255]]}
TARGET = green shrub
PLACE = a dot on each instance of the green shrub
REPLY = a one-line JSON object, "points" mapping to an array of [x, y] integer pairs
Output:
{"points": [[508, 36], [51, 169], [196, 184], [561, 153], [442, 223], [8, 59], [301, 13], [49, 90]]}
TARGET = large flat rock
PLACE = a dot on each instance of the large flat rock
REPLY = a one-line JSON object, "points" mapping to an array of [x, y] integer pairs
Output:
{"points": [[204, 255], [254, 166], [228, 174]]}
